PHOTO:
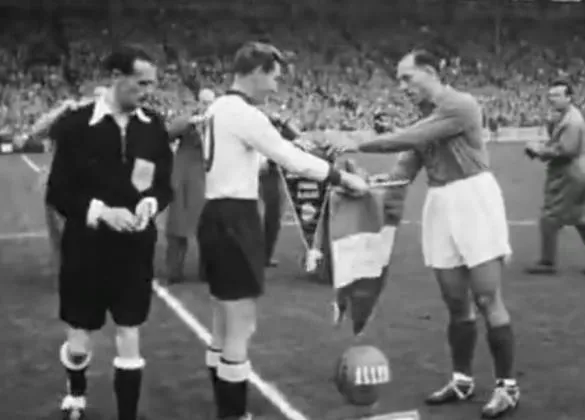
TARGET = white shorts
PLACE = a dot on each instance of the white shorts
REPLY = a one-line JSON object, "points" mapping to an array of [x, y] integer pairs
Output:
{"points": [[464, 223]]}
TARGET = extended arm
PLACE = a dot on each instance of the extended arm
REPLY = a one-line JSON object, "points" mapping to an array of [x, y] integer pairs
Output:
{"points": [[444, 123], [407, 166], [262, 136]]}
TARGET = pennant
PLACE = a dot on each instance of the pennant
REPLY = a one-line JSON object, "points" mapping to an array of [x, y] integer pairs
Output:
{"points": [[307, 198], [357, 246]]}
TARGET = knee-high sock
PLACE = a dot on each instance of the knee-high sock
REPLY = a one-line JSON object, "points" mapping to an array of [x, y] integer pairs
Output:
{"points": [[232, 388], [76, 366], [462, 337], [501, 343], [212, 357], [127, 383]]}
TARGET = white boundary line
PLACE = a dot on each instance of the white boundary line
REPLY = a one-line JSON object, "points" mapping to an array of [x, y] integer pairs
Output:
{"points": [[269, 391], [23, 235]]}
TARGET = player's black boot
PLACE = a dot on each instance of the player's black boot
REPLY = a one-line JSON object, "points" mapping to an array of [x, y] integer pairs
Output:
{"points": [[457, 390], [73, 408]]}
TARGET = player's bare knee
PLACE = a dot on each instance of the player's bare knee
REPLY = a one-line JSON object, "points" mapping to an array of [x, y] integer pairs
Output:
{"points": [[78, 341], [128, 342], [492, 308]]}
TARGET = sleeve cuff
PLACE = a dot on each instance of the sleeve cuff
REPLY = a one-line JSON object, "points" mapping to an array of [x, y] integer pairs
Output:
{"points": [[96, 207], [152, 204]]}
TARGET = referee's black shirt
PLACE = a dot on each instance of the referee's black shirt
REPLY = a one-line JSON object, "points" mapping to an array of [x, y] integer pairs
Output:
{"points": [[94, 161]]}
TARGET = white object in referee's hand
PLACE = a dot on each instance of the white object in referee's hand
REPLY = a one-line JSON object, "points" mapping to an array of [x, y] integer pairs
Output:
{"points": [[145, 210]]}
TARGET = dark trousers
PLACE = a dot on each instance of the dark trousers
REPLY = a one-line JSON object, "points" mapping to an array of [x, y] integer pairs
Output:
{"points": [[55, 223], [549, 232], [271, 193], [175, 256]]}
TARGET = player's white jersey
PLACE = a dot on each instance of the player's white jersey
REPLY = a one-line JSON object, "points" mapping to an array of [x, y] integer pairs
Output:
{"points": [[237, 136]]}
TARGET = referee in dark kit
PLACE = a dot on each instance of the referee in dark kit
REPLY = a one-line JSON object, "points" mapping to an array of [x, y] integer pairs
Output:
{"points": [[110, 177]]}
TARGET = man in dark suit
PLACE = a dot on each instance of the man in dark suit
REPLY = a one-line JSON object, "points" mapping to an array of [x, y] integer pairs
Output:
{"points": [[189, 185], [110, 177], [564, 188]]}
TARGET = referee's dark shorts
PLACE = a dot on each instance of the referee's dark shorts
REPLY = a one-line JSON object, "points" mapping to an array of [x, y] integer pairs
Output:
{"points": [[105, 272], [231, 243]]}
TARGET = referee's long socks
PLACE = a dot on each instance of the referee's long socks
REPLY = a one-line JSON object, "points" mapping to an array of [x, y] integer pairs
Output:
{"points": [[462, 337], [127, 382], [232, 388], [76, 366], [501, 344], [212, 357]]}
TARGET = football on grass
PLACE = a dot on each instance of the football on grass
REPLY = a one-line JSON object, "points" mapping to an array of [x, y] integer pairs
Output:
{"points": [[361, 373]]}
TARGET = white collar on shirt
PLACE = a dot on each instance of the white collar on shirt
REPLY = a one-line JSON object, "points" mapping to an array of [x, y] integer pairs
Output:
{"points": [[103, 108]]}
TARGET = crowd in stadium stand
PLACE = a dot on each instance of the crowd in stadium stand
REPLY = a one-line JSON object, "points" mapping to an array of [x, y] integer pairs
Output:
{"points": [[336, 83]]}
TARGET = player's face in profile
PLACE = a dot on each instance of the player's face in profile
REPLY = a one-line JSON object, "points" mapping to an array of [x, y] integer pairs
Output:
{"points": [[132, 90], [267, 82], [558, 98], [414, 80]]}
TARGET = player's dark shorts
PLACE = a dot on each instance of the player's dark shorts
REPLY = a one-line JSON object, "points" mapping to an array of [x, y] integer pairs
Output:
{"points": [[105, 272], [231, 246]]}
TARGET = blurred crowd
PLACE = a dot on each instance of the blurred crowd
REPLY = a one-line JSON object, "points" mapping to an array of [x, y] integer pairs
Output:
{"points": [[338, 80]]}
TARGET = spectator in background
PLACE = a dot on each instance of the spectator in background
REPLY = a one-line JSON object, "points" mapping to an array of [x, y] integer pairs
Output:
{"points": [[564, 188], [189, 186], [493, 128]]}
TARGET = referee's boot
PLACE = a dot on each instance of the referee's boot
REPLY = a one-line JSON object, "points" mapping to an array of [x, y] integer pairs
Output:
{"points": [[73, 407], [457, 390], [504, 400]]}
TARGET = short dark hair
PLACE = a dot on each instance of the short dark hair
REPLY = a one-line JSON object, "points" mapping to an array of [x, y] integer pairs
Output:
{"points": [[563, 83], [122, 59], [423, 58], [253, 55]]}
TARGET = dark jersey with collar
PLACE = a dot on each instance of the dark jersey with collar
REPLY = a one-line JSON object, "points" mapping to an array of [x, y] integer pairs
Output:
{"points": [[448, 141], [97, 160]]}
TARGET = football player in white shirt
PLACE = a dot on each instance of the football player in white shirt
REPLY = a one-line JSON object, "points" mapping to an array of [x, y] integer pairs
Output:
{"points": [[237, 136]]}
